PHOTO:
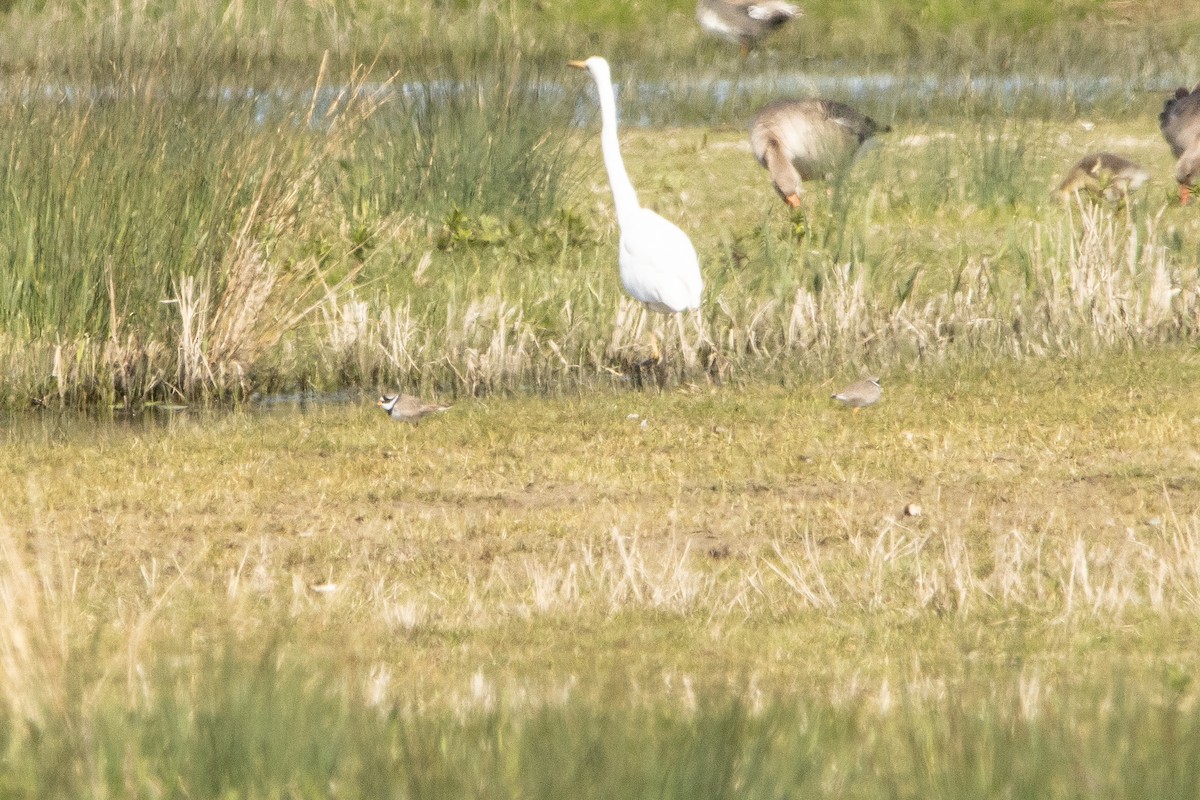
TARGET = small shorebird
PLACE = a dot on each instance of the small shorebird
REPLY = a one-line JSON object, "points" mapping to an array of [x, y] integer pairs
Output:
{"points": [[1104, 175], [1180, 125], [406, 408], [860, 394], [744, 22], [807, 140]]}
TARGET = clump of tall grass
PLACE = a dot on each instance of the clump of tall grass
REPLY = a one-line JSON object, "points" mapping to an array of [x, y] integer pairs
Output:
{"points": [[478, 135], [1095, 280], [147, 226]]}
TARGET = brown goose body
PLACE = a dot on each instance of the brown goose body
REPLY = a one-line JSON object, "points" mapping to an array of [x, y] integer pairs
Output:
{"points": [[744, 22], [1180, 125], [1105, 175], [805, 140]]}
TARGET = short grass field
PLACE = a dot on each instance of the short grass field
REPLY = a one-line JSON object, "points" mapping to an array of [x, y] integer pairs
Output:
{"points": [[227, 228], [985, 585]]}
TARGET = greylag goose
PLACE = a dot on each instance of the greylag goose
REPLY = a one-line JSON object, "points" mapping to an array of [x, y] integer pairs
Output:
{"points": [[744, 22], [1104, 175], [805, 140], [1180, 124]]}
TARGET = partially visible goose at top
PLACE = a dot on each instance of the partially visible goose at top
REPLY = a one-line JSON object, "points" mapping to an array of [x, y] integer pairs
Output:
{"points": [[1180, 124], [744, 22], [1104, 175], [806, 140]]}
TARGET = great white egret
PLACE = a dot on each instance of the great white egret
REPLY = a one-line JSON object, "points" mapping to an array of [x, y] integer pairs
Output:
{"points": [[1104, 175], [744, 22], [1180, 124], [804, 140], [406, 408], [860, 394], [658, 263]]}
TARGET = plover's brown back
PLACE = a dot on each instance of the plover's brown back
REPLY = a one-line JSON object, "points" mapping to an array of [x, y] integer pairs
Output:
{"points": [[406, 408], [860, 394]]}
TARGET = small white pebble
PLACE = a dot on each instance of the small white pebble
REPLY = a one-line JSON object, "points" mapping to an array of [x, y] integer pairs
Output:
{"points": [[324, 588], [912, 510], [633, 416], [644, 423]]}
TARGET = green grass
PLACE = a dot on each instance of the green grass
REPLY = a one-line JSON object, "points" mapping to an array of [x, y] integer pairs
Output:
{"points": [[284, 38], [446, 224], [518, 595], [449, 283], [985, 586], [721, 748]]}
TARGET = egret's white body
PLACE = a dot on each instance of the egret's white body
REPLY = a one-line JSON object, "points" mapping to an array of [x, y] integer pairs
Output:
{"points": [[658, 263]]}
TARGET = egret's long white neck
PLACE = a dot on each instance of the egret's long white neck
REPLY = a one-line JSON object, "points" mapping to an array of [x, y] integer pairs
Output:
{"points": [[624, 197]]}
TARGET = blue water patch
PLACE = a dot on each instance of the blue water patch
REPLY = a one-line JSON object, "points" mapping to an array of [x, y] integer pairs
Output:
{"points": [[676, 100]]}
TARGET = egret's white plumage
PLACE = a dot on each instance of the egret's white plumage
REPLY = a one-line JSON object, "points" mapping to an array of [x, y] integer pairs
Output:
{"points": [[658, 263]]}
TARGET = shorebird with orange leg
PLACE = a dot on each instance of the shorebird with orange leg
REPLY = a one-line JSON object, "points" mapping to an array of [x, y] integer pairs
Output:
{"points": [[860, 394], [406, 408]]}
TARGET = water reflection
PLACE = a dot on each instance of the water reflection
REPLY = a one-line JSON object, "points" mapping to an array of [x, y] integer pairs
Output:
{"points": [[680, 100], [42, 426]]}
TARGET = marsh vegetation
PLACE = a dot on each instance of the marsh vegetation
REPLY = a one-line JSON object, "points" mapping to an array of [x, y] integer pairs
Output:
{"points": [[564, 586], [175, 229]]}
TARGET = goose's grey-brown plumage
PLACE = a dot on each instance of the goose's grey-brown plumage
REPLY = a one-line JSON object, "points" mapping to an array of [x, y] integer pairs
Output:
{"points": [[1180, 125], [406, 408], [805, 140], [744, 22], [1104, 175], [860, 394]]}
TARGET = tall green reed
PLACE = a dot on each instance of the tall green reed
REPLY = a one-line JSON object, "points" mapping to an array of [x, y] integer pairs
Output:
{"points": [[160, 208], [112, 193], [484, 135]]}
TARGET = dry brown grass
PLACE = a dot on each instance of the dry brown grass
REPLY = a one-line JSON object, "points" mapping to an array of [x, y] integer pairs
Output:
{"points": [[710, 533]]}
